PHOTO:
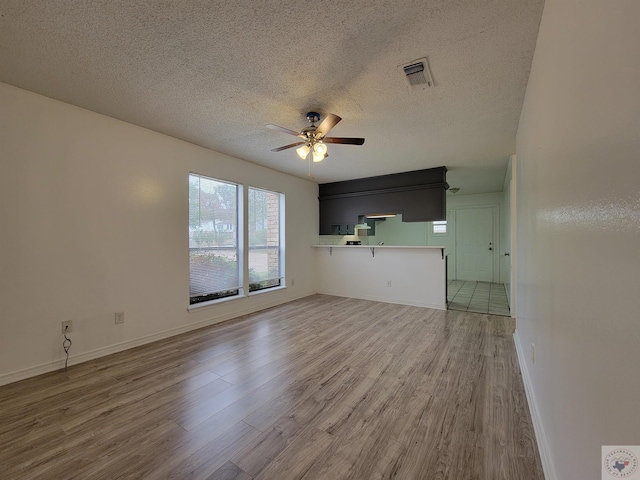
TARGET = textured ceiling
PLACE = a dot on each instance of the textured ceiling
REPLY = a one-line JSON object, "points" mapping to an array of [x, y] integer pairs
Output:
{"points": [[214, 73]]}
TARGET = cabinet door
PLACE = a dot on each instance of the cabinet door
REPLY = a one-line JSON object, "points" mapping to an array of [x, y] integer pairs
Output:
{"points": [[343, 229]]}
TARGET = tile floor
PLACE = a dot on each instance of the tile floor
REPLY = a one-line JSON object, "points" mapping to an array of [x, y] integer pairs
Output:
{"points": [[479, 297]]}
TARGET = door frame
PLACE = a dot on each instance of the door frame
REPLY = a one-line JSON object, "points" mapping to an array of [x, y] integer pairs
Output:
{"points": [[513, 187]]}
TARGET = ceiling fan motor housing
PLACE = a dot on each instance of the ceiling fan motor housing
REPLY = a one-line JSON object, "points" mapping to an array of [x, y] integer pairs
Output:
{"points": [[313, 117]]}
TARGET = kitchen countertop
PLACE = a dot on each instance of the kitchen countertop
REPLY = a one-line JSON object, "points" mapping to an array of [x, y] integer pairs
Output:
{"points": [[377, 246]]}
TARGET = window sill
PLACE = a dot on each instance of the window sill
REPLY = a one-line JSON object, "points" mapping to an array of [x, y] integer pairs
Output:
{"points": [[211, 303], [267, 290]]}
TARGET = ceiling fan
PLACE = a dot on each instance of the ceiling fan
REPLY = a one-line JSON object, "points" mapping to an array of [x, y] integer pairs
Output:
{"points": [[314, 138]]}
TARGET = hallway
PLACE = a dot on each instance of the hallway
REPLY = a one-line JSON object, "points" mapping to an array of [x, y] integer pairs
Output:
{"points": [[478, 297]]}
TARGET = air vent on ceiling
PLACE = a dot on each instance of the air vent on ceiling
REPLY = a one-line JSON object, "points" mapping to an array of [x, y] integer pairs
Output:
{"points": [[417, 74]]}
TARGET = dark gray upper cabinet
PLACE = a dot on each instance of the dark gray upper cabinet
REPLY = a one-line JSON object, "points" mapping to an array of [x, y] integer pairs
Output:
{"points": [[420, 196], [343, 229]]}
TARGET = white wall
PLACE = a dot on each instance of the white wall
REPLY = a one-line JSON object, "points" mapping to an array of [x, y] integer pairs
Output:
{"points": [[578, 233], [94, 220]]}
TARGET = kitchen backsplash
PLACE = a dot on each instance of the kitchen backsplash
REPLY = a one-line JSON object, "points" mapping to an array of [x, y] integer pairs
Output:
{"points": [[341, 239]]}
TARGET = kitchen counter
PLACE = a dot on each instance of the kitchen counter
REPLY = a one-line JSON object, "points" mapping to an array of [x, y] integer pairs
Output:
{"points": [[377, 246], [404, 274]]}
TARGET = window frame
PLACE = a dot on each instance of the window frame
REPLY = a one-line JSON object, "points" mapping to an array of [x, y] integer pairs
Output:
{"points": [[442, 223], [226, 293], [242, 246], [281, 245]]}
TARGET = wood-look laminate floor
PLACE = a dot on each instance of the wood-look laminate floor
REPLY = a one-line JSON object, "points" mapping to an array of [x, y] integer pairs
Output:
{"points": [[320, 388]]}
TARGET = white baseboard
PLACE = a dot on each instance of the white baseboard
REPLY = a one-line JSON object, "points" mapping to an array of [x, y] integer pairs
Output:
{"points": [[119, 347], [541, 439], [386, 300]]}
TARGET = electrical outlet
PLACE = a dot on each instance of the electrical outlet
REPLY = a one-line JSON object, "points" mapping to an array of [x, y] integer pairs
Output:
{"points": [[533, 353], [119, 318], [67, 327], [388, 283]]}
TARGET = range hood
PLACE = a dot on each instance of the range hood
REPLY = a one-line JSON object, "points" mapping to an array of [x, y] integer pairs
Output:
{"points": [[378, 216]]}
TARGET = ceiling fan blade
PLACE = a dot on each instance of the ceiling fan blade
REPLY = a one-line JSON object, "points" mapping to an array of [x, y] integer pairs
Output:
{"points": [[282, 129], [344, 140], [279, 149], [327, 124]]}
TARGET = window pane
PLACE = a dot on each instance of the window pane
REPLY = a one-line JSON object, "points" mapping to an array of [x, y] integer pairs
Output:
{"points": [[264, 239], [213, 239], [440, 226]]}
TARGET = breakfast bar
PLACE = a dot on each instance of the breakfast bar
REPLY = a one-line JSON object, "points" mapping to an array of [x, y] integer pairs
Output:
{"points": [[407, 275]]}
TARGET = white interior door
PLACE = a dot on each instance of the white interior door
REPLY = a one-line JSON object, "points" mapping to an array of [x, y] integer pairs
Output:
{"points": [[475, 245]]}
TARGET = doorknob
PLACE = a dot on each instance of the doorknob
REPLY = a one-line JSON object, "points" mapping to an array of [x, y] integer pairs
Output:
{"points": [[490, 247], [507, 254]]}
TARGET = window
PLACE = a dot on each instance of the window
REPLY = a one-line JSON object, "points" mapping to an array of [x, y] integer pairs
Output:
{"points": [[220, 263], [265, 243], [213, 239], [440, 226]]}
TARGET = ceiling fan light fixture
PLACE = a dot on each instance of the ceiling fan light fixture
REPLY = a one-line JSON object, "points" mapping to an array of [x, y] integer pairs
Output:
{"points": [[313, 138], [320, 148], [319, 151], [303, 151]]}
